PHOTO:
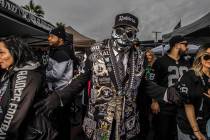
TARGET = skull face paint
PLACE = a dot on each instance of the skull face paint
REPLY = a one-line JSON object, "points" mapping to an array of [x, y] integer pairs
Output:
{"points": [[123, 36]]}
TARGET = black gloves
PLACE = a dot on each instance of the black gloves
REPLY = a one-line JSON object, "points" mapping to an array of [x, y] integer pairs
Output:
{"points": [[47, 105]]}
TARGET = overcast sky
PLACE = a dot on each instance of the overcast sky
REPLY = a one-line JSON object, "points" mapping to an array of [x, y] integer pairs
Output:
{"points": [[95, 18]]}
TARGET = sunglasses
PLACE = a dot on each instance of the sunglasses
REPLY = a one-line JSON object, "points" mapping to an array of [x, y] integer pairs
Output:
{"points": [[184, 43], [206, 57], [129, 32]]}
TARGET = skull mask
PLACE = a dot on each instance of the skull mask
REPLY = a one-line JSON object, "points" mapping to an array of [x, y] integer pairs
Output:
{"points": [[123, 37]]}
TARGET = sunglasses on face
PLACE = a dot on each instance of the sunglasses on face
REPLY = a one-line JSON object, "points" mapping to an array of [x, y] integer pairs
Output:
{"points": [[184, 43], [206, 57], [129, 32]]}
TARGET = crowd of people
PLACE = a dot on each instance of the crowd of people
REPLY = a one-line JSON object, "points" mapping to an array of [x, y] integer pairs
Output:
{"points": [[119, 92]]}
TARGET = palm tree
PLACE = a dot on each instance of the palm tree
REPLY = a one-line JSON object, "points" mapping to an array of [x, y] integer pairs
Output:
{"points": [[60, 24], [36, 9]]}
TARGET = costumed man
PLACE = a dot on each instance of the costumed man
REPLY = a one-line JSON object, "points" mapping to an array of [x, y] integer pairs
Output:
{"points": [[115, 67]]}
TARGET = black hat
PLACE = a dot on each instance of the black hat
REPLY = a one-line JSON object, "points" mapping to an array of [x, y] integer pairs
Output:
{"points": [[176, 39], [59, 32], [126, 19], [205, 46]]}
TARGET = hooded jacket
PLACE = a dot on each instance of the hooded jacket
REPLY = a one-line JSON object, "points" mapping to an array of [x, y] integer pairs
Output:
{"points": [[59, 70], [23, 87]]}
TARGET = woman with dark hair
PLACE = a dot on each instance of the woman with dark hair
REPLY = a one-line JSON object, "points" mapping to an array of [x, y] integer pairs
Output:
{"points": [[19, 86]]}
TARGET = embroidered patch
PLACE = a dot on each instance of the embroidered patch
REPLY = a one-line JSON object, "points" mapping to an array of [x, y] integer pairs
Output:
{"points": [[89, 126]]}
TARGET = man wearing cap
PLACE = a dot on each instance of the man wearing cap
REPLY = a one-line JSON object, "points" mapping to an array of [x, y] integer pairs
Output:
{"points": [[116, 72], [115, 67], [167, 70], [60, 65], [59, 73]]}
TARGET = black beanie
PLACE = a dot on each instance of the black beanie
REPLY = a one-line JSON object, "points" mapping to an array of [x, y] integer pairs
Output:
{"points": [[59, 32]]}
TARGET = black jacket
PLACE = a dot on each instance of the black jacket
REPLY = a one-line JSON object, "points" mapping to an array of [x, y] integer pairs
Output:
{"points": [[23, 90], [79, 82]]}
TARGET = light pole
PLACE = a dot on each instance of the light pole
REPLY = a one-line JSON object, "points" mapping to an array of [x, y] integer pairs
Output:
{"points": [[156, 40], [156, 36]]}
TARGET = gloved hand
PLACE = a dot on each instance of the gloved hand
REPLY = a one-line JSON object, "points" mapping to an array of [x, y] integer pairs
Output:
{"points": [[47, 105], [173, 95]]}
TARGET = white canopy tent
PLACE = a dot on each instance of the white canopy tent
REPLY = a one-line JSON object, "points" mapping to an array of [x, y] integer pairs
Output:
{"points": [[162, 49]]}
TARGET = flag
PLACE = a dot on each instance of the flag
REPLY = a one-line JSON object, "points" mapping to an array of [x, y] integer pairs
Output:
{"points": [[178, 25]]}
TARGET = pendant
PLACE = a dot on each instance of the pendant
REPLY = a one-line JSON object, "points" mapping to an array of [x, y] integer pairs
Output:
{"points": [[120, 93]]}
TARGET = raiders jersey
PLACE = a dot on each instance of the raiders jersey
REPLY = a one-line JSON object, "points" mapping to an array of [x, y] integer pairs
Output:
{"points": [[191, 89], [167, 71]]}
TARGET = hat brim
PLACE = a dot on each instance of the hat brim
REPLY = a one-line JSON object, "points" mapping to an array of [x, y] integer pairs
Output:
{"points": [[137, 30]]}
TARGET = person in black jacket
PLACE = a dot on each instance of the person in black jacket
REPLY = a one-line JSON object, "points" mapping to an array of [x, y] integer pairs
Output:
{"points": [[19, 87], [194, 86], [59, 73], [115, 67]]}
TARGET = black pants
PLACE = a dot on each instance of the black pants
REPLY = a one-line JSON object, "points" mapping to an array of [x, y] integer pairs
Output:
{"points": [[165, 127], [61, 122]]}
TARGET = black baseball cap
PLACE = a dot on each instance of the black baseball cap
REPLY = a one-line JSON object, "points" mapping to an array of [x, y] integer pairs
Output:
{"points": [[176, 39], [205, 46], [126, 19], [59, 32]]}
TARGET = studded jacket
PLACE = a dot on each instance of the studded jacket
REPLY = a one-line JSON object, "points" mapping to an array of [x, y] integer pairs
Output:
{"points": [[112, 111]]}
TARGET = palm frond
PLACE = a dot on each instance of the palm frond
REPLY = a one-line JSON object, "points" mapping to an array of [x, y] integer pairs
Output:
{"points": [[36, 9]]}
